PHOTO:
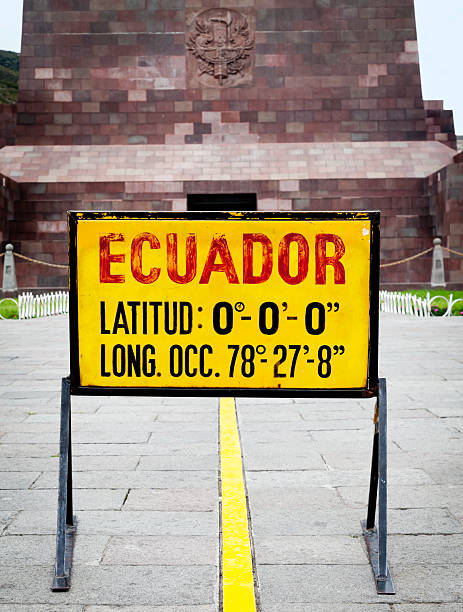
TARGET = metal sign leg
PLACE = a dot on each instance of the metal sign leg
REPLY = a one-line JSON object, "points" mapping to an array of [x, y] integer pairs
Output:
{"points": [[66, 526], [376, 538]]}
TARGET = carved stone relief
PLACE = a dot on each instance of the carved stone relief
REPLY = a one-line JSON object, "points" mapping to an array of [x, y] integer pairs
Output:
{"points": [[220, 48]]}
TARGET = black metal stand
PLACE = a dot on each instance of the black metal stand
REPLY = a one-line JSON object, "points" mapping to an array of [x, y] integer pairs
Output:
{"points": [[376, 537], [66, 527]]}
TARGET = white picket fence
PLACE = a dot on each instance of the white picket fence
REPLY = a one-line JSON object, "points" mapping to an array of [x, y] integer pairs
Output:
{"points": [[31, 306], [406, 303]]}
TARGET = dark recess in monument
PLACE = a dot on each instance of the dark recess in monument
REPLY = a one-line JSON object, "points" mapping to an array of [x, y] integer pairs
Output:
{"points": [[222, 201]]}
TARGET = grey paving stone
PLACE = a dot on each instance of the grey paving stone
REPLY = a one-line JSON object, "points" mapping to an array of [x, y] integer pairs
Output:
{"points": [[120, 523], [210, 608], [184, 404], [409, 412], [185, 500], [179, 449], [83, 499], [431, 496], [422, 521], [311, 521], [256, 437], [334, 478], [443, 470], [94, 419], [299, 512], [21, 395], [116, 585], [194, 449], [455, 509], [256, 401], [432, 583], [331, 607], [448, 408], [80, 463], [133, 479], [18, 480], [5, 519], [269, 414], [107, 463], [333, 408], [179, 462], [29, 464], [346, 425], [337, 460], [172, 426], [79, 437], [359, 440], [29, 450], [182, 437], [281, 456], [10, 607], [187, 417], [264, 427], [286, 584], [21, 550], [432, 607], [109, 427], [427, 549], [309, 550], [162, 550]]}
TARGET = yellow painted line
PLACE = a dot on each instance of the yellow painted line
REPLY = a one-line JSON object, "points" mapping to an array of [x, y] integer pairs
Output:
{"points": [[238, 581]]}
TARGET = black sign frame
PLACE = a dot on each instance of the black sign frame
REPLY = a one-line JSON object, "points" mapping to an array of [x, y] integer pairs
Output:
{"points": [[375, 534], [372, 366]]}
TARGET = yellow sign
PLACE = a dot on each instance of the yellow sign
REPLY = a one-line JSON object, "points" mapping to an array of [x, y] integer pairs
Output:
{"points": [[226, 301]]}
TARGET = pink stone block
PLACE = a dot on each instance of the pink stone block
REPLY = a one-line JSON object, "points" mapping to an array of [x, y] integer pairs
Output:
{"points": [[91, 107], [211, 117], [411, 46], [366, 80], [62, 73], [51, 226], [179, 205], [183, 106], [284, 205], [294, 127], [289, 185], [62, 96], [267, 204], [43, 73], [275, 60], [407, 58], [377, 69], [172, 139], [137, 95], [184, 128]]}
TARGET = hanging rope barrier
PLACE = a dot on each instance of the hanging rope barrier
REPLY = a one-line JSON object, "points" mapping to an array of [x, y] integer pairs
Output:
{"points": [[400, 261], [452, 251], [44, 263]]}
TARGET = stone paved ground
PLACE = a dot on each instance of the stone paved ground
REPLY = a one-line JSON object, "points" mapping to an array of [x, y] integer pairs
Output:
{"points": [[146, 486]]}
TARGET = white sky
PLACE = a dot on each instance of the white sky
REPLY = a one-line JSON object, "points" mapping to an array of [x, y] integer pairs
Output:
{"points": [[440, 28]]}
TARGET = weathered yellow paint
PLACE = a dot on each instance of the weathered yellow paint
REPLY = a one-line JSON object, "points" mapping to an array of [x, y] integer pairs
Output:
{"points": [[348, 327], [238, 581]]}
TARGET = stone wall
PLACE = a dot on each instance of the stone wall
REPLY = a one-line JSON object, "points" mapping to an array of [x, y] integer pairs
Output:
{"points": [[39, 226], [7, 124], [129, 71], [97, 75], [445, 189], [439, 123]]}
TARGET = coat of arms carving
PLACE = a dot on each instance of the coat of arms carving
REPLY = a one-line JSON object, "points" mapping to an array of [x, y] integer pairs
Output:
{"points": [[221, 45]]}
